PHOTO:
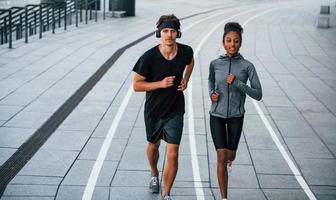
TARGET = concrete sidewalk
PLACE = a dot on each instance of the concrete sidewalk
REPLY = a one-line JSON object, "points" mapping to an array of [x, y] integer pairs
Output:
{"points": [[295, 62]]}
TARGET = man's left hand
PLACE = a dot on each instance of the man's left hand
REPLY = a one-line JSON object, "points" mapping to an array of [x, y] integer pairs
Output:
{"points": [[183, 85]]}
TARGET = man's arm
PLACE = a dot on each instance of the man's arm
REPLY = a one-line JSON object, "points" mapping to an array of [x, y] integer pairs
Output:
{"points": [[187, 73], [140, 84]]}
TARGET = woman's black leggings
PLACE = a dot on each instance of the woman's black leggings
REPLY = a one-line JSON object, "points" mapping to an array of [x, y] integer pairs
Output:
{"points": [[226, 138]]}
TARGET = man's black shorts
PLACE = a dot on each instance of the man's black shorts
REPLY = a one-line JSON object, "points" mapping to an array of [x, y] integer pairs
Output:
{"points": [[169, 129]]}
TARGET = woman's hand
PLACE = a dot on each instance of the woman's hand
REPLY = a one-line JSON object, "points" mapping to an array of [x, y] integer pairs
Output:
{"points": [[230, 78], [214, 96]]}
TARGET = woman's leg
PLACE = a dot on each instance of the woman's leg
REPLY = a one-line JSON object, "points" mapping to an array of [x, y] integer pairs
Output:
{"points": [[222, 174], [235, 126], [231, 156], [219, 137]]}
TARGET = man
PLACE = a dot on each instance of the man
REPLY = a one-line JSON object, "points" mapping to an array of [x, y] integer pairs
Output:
{"points": [[163, 72]]}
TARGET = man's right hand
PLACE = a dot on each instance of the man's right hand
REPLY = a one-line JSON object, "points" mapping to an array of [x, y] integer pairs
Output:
{"points": [[214, 96], [167, 82]]}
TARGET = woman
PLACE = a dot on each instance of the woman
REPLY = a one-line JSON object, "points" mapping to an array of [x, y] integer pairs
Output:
{"points": [[228, 76]]}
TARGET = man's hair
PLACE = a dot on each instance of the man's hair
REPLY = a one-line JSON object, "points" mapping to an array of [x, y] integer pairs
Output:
{"points": [[235, 27], [171, 18]]}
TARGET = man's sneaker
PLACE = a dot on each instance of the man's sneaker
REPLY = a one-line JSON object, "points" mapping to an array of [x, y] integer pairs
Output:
{"points": [[154, 186], [167, 197]]}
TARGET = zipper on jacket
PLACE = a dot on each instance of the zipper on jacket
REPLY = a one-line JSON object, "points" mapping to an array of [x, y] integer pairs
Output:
{"points": [[228, 92]]}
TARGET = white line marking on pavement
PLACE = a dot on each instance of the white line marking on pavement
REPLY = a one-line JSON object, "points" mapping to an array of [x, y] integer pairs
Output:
{"points": [[276, 140], [192, 139], [209, 17], [90, 186], [283, 152]]}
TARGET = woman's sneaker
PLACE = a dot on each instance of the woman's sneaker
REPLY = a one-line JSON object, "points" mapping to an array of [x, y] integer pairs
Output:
{"points": [[167, 197], [154, 186]]}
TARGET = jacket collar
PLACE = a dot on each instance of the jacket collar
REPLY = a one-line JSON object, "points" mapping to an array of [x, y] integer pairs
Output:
{"points": [[238, 56]]}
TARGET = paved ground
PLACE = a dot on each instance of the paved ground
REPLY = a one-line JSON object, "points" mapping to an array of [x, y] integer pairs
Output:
{"points": [[296, 65]]}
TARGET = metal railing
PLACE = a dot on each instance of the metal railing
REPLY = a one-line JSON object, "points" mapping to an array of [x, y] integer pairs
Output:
{"points": [[32, 19]]}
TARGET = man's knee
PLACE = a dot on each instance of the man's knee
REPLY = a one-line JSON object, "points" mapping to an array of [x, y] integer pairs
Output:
{"points": [[172, 152], [153, 146]]}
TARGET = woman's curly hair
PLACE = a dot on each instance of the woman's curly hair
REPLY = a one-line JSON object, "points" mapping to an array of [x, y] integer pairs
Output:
{"points": [[233, 26]]}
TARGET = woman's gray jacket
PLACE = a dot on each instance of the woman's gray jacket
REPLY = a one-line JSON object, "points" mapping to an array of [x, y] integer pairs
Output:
{"points": [[232, 97]]}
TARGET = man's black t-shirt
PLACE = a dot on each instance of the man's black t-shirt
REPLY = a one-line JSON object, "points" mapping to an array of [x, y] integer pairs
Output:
{"points": [[164, 102]]}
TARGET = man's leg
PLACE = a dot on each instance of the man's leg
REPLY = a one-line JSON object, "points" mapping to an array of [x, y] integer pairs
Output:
{"points": [[170, 168], [153, 157]]}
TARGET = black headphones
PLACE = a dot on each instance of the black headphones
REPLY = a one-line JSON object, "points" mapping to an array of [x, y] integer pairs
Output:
{"points": [[168, 24], [158, 34]]}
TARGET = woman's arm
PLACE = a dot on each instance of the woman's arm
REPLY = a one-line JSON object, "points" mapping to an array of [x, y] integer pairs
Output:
{"points": [[255, 90], [211, 79]]}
